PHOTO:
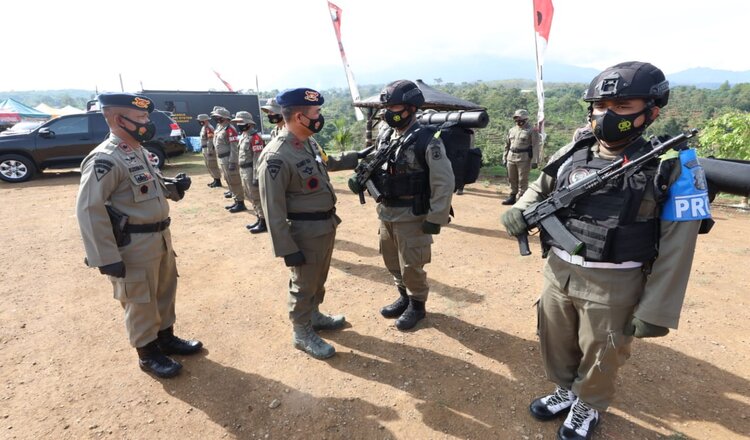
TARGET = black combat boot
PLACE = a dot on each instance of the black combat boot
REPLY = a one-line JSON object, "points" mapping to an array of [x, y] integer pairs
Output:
{"points": [[215, 184], [238, 207], [228, 194], [510, 200], [152, 360], [259, 227], [252, 225], [413, 314], [171, 344], [396, 308]]}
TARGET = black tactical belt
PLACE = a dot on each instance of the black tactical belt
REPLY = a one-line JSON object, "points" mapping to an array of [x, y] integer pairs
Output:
{"points": [[246, 165], [398, 203], [526, 150], [310, 215], [148, 227], [223, 155]]}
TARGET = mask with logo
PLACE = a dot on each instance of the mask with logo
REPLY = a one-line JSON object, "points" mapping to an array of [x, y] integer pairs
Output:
{"points": [[275, 119], [611, 127], [142, 132], [315, 125], [396, 119]]}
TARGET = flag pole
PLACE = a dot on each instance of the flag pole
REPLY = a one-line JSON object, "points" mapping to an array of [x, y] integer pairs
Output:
{"points": [[335, 12]]}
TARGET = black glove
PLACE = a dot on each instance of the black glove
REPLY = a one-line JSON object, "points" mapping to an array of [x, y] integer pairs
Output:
{"points": [[295, 259], [116, 270], [354, 185], [430, 228], [642, 329], [534, 166], [183, 181], [514, 222], [361, 154]]}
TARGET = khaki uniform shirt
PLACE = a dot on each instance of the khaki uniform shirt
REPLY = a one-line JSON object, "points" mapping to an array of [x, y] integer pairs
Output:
{"points": [[522, 138], [122, 176], [226, 141], [207, 136]]}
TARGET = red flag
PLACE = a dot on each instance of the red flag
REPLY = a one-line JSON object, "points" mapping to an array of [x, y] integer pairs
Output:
{"points": [[226, 84], [336, 20], [543, 12]]}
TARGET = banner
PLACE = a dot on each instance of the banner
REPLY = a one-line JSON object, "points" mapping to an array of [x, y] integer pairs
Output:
{"points": [[543, 12], [226, 84], [336, 20]]}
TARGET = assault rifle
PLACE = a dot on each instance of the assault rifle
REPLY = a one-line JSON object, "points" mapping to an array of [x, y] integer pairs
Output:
{"points": [[364, 171], [542, 215]]}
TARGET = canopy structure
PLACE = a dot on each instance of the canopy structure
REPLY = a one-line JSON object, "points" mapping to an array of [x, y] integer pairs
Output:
{"points": [[434, 99], [55, 112], [14, 111]]}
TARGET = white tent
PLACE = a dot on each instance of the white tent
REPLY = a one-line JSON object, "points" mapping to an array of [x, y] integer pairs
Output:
{"points": [[55, 112]]}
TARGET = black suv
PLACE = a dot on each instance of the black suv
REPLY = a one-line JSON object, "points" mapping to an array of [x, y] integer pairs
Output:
{"points": [[65, 141]]}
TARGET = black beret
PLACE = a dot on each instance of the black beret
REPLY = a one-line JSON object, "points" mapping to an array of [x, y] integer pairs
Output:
{"points": [[299, 97], [129, 100]]}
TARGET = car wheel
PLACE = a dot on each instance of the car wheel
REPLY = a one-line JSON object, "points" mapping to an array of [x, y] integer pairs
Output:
{"points": [[16, 169], [160, 158]]}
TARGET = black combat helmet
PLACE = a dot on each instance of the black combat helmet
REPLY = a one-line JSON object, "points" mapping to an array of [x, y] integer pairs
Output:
{"points": [[632, 79], [402, 92]]}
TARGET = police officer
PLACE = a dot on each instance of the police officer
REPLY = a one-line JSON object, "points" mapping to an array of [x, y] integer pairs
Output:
{"points": [[209, 152], [631, 277], [417, 183], [123, 215], [273, 113], [250, 147], [521, 154], [299, 203], [227, 150]]}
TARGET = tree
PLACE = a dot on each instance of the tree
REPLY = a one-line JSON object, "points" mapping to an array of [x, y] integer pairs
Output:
{"points": [[342, 136], [727, 136]]}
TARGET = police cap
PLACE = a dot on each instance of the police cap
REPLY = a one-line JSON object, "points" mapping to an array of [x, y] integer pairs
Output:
{"points": [[244, 117], [202, 117], [521, 114], [128, 100], [271, 106], [302, 96]]}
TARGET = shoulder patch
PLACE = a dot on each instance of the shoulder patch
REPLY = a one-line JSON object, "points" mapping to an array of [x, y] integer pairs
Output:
{"points": [[436, 153], [102, 167], [274, 166]]}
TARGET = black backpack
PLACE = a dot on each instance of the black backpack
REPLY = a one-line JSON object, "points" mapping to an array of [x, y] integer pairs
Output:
{"points": [[465, 161]]}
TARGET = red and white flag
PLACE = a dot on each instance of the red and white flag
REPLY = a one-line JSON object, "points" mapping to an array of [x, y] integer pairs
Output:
{"points": [[543, 12], [336, 20], [226, 84]]}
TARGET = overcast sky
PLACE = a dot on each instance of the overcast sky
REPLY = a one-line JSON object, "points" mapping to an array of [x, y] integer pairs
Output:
{"points": [[175, 45]]}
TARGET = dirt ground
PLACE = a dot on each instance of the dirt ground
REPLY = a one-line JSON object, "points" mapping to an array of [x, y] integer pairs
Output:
{"points": [[469, 371]]}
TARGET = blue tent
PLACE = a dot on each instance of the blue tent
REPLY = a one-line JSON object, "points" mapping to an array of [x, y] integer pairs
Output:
{"points": [[10, 105]]}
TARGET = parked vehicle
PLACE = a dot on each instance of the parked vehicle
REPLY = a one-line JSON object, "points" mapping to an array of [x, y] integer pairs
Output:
{"points": [[65, 141], [21, 128]]}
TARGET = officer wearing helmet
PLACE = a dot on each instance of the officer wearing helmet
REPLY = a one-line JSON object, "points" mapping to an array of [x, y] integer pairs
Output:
{"points": [[227, 150], [631, 277], [250, 147], [417, 183], [521, 154], [209, 152]]}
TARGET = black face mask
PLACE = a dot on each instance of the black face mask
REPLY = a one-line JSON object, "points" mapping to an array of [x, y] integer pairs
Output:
{"points": [[242, 127], [215, 119], [611, 127], [143, 132], [275, 119], [315, 125], [520, 122], [397, 119]]}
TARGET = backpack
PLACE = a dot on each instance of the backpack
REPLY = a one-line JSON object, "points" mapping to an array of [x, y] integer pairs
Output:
{"points": [[465, 161]]}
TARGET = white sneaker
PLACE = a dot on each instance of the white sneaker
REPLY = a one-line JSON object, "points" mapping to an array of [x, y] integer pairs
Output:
{"points": [[552, 405], [580, 423]]}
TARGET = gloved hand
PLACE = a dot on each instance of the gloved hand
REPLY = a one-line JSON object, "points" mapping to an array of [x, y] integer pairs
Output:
{"points": [[642, 329], [430, 228], [183, 181], [514, 222], [534, 166], [361, 154], [353, 185], [295, 259], [116, 270], [232, 166]]}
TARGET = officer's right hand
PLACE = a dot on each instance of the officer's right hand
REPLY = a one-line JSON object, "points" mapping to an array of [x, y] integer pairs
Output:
{"points": [[361, 154], [116, 270], [295, 259], [514, 222], [354, 185]]}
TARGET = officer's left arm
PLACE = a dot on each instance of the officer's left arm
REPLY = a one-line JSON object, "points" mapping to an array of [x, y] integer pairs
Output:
{"points": [[442, 182], [345, 161]]}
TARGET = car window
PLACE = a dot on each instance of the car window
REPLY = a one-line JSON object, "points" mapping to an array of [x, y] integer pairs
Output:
{"points": [[99, 125], [77, 125]]}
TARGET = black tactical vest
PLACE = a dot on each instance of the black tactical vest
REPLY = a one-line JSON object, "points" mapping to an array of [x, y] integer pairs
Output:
{"points": [[401, 178], [606, 220]]}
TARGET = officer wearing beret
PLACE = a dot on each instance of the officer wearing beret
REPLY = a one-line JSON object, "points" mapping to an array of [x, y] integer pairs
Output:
{"points": [[209, 152], [273, 113], [227, 150], [250, 147], [299, 203], [521, 154], [124, 219]]}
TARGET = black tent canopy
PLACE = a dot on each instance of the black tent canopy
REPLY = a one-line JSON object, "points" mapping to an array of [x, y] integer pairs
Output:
{"points": [[434, 99]]}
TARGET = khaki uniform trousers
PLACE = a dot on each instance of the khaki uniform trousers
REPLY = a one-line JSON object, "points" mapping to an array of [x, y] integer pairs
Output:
{"points": [[307, 282], [251, 191], [147, 294], [209, 157], [405, 250], [233, 179], [581, 329], [518, 176]]}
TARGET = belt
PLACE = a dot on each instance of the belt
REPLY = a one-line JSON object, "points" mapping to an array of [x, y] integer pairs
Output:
{"points": [[246, 165], [223, 155], [310, 215], [148, 227], [579, 261], [398, 203], [526, 150]]}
